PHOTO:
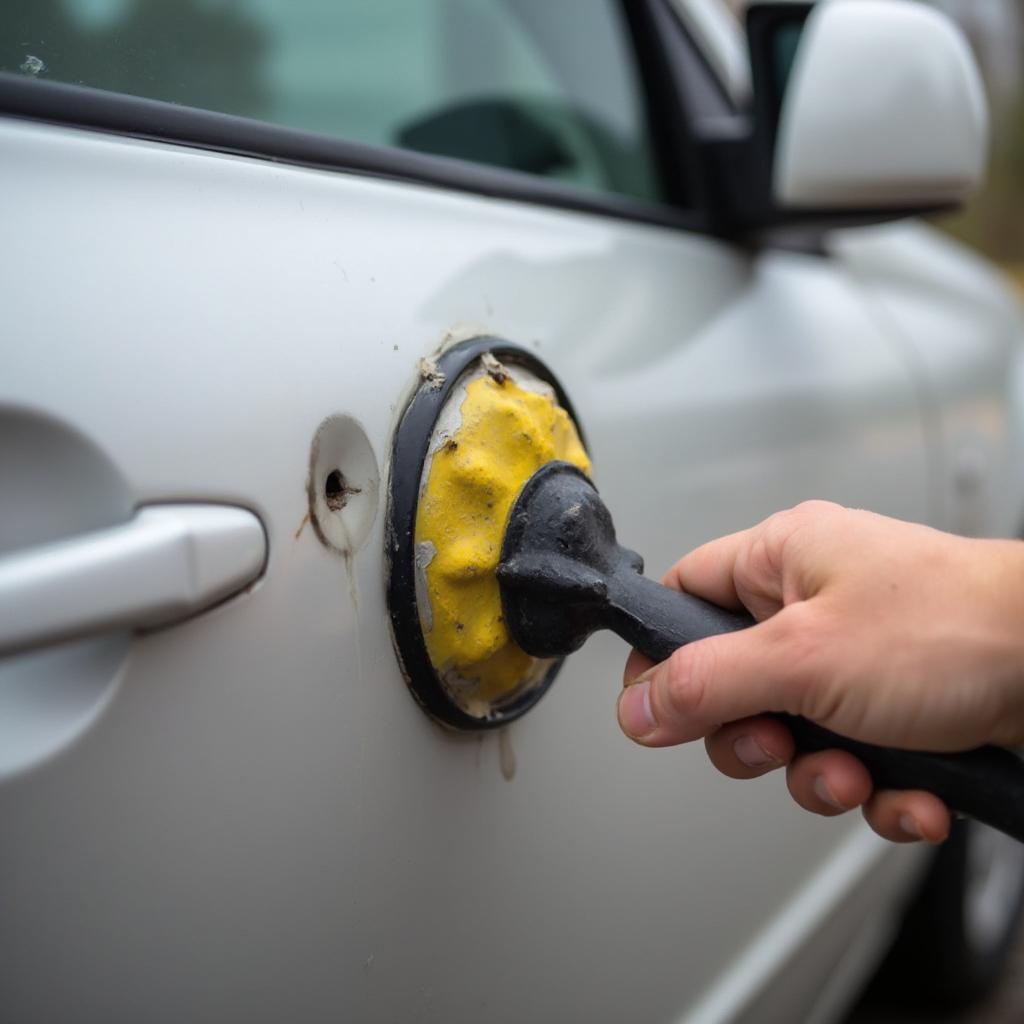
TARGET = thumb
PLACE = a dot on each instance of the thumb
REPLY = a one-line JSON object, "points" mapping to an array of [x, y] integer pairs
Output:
{"points": [[767, 667]]}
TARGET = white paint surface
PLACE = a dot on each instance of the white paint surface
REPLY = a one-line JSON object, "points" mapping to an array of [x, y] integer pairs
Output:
{"points": [[884, 108], [260, 823]]}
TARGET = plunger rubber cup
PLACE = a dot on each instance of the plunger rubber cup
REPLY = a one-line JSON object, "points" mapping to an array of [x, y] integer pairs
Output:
{"points": [[485, 416]]}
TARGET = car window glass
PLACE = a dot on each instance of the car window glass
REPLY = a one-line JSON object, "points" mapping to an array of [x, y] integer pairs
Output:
{"points": [[548, 88]]}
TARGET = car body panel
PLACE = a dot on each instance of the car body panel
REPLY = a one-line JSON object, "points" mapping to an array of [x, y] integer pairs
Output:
{"points": [[259, 822], [964, 327]]}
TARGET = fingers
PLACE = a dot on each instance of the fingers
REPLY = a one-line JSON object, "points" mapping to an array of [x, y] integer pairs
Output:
{"points": [[905, 816], [721, 679], [709, 571], [750, 747], [828, 782], [756, 567], [833, 781]]}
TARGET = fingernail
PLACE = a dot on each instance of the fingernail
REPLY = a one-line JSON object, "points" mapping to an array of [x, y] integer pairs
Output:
{"points": [[752, 754], [909, 825], [635, 715], [824, 794]]}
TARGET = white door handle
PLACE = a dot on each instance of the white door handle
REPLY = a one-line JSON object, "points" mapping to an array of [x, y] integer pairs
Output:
{"points": [[166, 563]]}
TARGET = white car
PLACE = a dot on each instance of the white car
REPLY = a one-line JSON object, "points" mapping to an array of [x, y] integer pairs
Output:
{"points": [[234, 231]]}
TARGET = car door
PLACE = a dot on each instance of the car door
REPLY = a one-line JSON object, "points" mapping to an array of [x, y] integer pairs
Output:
{"points": [[225, 261]]}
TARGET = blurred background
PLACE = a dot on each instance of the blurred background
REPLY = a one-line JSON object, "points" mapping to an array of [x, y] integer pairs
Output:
{"points": [[993, 224], [994, 221]]}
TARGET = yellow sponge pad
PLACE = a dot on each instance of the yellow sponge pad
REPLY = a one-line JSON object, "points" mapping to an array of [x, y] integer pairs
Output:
{"points": [[507, 432]]}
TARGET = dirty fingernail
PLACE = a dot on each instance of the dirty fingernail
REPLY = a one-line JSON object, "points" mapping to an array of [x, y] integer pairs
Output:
{"points": [[752, 754], [635, 715], [909, 825], [825, 794]]}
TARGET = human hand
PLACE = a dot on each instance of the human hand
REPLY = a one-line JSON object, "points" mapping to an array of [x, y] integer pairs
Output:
{"points": [[884, 631]]}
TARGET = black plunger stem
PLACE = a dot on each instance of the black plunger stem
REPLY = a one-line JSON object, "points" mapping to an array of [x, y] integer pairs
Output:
{"points": [[986, 783]]}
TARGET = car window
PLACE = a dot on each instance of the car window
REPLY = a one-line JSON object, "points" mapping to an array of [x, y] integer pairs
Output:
{"points": [[546, 88]]}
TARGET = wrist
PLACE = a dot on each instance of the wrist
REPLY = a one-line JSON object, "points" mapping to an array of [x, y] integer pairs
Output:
{"points": [[999, 568], [998, 575]]}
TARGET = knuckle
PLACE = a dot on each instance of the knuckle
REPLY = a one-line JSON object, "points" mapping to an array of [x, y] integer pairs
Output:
{"points": [[757, 562], [813, 508], [786, 527], [783, 531]]}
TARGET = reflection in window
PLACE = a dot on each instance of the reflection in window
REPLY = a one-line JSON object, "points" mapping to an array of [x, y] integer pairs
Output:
{"points": [[545, 88]]}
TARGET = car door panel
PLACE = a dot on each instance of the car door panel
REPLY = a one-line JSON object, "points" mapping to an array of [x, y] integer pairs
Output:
{"points": [[260, 822]]}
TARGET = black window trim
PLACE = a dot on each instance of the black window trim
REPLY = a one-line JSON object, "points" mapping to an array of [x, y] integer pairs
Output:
{"points": [[660, 42], [82, 107], [681, 89]]}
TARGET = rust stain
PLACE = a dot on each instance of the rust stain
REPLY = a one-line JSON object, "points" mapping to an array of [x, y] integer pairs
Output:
{"points": [[337, 491]]}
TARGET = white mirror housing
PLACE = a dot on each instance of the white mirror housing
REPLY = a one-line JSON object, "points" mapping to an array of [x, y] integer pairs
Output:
{"points": [[883, 108]]}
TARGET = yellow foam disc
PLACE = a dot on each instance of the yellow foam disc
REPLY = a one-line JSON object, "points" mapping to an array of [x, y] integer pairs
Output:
{"points": [[506, 433]]}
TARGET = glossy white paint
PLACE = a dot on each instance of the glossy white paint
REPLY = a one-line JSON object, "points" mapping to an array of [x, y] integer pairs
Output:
{"points": [[257, 822], [884, 108], [963, 327], [821, 975], [167, 563]]}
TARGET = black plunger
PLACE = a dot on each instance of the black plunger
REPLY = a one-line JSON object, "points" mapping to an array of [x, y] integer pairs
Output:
{"points": [[563, 576]]}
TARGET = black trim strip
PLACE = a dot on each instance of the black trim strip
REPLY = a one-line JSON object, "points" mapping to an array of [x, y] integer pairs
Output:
{"points": [[691, 94], [666, 121], [120, 114]]}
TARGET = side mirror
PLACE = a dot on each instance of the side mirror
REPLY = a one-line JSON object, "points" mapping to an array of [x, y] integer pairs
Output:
{"points": [[863, 111], [883, 107]]}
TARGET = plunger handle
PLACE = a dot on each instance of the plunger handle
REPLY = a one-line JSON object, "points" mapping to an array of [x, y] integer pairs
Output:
{"points": [[986, 784]]}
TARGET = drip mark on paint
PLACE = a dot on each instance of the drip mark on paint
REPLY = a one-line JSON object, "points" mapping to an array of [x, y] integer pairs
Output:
{"points": [[506, 755]]}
